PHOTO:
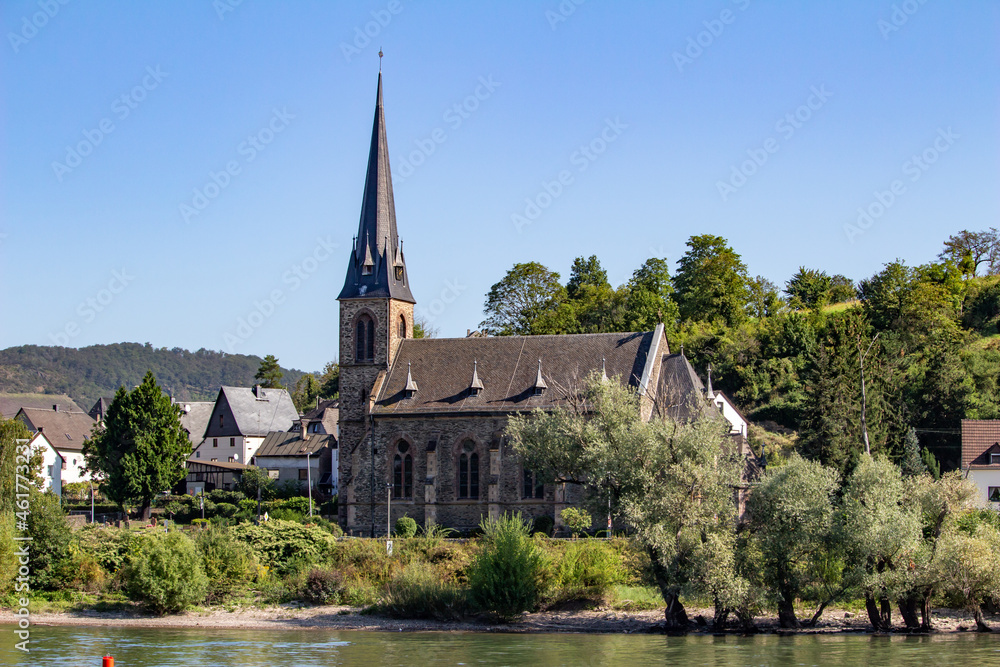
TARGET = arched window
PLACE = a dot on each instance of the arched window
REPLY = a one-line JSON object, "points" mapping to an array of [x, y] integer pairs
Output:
{"points": [[531, 486], [468, 471], [402, 326], [402, 471], [364, 339]]}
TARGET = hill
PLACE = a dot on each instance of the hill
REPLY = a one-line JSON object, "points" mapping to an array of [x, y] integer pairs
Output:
{"points": [[87, 373]]}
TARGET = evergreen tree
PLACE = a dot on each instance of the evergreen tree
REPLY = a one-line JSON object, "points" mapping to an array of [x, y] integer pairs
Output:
{"points": [[912, 464], [330, 379], [269, 373], [140, 449], [307, 389]]}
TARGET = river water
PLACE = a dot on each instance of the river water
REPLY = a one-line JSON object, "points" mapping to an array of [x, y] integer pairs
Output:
{"points": [[135, 647]]}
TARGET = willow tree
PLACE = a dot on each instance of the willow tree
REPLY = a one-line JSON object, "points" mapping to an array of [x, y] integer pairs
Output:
{"points": [[670, 481], [141, 448]]}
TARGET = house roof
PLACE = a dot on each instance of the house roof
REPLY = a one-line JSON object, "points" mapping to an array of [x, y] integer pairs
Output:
{"points": [[327, 413], [194, 418], [100, 408], [507, 366], [65, 430], [978, 436], [256, 410], [225, 465], [11, 403], [377, 244], [283, 443], [681, 392], [40, 439]]}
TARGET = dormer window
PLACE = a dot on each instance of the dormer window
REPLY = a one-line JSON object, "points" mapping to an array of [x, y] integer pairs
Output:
{"points": [[399, 273], [539, 385], [366, 269], [994, 458]]}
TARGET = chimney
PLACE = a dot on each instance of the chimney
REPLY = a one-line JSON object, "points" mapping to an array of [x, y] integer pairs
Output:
{"points": [[55, 407], [256, 390], [41, 428], [305, 429]]}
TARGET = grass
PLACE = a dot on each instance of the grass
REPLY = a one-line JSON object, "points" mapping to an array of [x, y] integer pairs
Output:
{"points": [[635, 598]]}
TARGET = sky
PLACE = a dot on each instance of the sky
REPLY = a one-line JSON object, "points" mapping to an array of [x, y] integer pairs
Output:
{"points": [[189, 174]]}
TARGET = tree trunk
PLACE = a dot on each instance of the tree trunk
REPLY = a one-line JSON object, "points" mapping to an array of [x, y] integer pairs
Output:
{"points": [[874, 615], [786, 613], [925, 611], [720, 618], [980, 623], [886, 608], [144, 512], [908, 610], [746, 622], [675, 616], [811, 623]]}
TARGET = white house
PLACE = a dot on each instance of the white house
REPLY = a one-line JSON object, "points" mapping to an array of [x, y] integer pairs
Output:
{"points": [[52, 463], [981, 458], [65, 431], [241, 419]]}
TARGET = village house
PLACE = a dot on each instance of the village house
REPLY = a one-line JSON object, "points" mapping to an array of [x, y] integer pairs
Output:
{"points": [[300, 457], [65, 431], [981, 458], [240, 420], [207, 476], [52, 463], [422, 421], [323, 419], [195, 416]]}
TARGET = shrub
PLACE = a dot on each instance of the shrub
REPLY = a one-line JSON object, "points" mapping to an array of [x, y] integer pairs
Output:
{"points": [[167, 573], [323, 586], [405, 527], [286, 514], [589, 569], [199, 523], [576, 519], [285, 546], [80, 571], [50, 535], [418, 592], [228, 563], [227, 510], [543, 524], [328, 526], [109, 546], [504, 576], [297, 504]]}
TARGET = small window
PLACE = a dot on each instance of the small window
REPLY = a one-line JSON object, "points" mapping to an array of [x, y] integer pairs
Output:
{"points": [[993, 493], [994, 458], [232, 442], [216, 460], [399, 273], [215, 442], [220, 421], [64, 464], [303, 474], [402, 326], [197, 454], [232, 460], [366, 269], [531, 487]]}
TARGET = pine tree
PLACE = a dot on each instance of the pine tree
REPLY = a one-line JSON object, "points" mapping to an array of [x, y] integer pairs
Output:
{"points": [[912, 465], [269, 374], [141, 449]]}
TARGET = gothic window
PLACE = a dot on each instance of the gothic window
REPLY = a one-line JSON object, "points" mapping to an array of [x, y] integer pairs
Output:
{"points": [[468, 471], [402, 326], [399, 273], [364, 339], [531, 486], [402, 471]]}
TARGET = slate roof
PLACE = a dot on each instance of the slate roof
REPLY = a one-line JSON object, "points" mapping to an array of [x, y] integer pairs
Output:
{"points": [[194, 419], [65, 430], [280, 443], [507, 367], [377, 242], [255, 415], [681, 392], [327, 413], [11, 403], [978, 437], [100, 408]]}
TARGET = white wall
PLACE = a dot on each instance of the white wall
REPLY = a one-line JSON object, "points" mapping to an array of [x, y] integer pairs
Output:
{"points": [[737, 423], [983, 479], [51, 464], [74, 466], [242, 449]]}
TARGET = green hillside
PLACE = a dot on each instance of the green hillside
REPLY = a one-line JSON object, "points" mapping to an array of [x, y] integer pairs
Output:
{"points": [[87, 373]]}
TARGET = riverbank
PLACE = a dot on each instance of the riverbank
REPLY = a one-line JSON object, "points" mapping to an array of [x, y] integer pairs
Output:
{"points": [[292, 616]]}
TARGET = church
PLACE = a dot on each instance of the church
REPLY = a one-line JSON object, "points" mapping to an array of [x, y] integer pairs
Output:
{"points": [[422, 421]]}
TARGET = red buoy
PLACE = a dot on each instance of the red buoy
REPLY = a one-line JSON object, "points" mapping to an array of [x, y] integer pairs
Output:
{"points": [[108, 661]]}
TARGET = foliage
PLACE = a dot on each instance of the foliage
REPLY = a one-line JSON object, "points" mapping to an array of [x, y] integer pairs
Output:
{"points": [[504, 577], [254, 478], [417, 591], [576, 520], [515, 304], [141, 449], [269, 373], [228, 563], [166, 573], [405, 527], [966, 566], [285, 546], [543, 524], [88, 373], [323, 586], [307, 390], [972, 249], [791, 516], [589, 568], [50, 536], [911, 463], [329, 380], [711, 281]]}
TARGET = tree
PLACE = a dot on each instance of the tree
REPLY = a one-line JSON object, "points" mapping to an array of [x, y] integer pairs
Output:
{"points": [[592, 303], [422, 328], [966, 566], [254, 478], [971, 249], [842, 289], [516, 303], [764, 298], [141, 448], [307, 389], [585, 273], [269, 373], [672, 482], [881, 533], [791, 523], [329, 381], [711, 281], [649, 298], [912, 464], [809, 289]]}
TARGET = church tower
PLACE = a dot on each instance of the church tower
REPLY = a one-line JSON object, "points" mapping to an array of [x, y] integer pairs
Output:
{"points": [[376, 312]]}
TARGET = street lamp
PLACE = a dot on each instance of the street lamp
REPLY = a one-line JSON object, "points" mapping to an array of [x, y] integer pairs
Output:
{"points": [[309, 484]]}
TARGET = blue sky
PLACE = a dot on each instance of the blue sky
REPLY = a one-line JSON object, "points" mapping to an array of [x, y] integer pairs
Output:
{"points": [[172, 169]]}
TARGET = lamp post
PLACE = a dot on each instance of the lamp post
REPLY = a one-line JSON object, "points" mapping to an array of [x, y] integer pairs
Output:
{"points": [[309, 483], [91, 501]]}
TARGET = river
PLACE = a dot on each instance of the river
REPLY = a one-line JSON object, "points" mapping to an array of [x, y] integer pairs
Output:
{"points": [[138, 647]]}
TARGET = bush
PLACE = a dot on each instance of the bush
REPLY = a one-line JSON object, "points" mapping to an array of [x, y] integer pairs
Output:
{"points": [[228, 563], [405, 527], [286, 514], [504, 576], [297, 504], [50, 535], [576, 520], [227, 510], [329, 526], [589, 569], [109, 546], [285, 546], [418, 592], [323, 586], [543, 524], [167, 573]]}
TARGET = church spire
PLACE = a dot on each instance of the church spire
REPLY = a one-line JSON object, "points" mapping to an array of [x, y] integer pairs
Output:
{"points": [[377, 267]]}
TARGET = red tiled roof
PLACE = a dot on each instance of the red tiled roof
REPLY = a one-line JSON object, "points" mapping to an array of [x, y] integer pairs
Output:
{"points": [[978, 435]]}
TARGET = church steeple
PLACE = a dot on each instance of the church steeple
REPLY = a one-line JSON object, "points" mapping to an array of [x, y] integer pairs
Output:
{"points": [[377, 267]]}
